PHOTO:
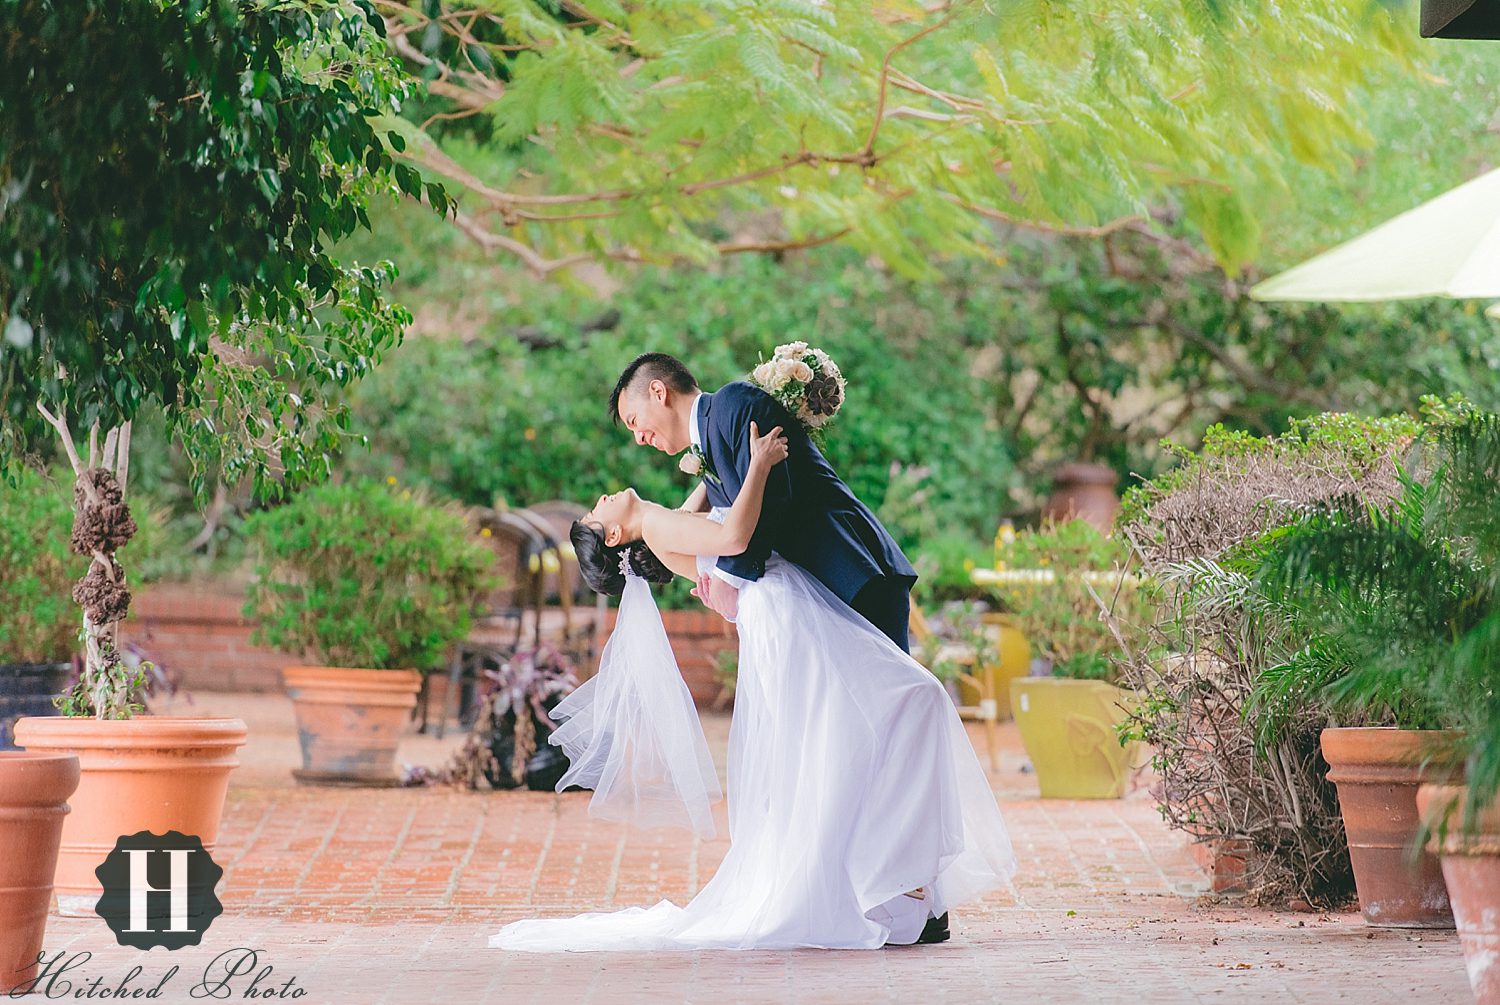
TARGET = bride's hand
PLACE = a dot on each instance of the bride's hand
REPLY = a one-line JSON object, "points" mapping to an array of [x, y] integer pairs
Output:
{"points": [[769, 449]]}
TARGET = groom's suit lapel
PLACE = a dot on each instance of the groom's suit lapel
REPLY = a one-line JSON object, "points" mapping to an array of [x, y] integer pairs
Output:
{"points": [[718, 492]]}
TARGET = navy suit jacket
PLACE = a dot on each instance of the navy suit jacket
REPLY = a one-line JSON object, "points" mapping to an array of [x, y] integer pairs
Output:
{"points": [[809, 516]]}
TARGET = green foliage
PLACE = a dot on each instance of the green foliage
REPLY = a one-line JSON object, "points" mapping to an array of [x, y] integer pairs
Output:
{"points": [[1351, 444], [114, 692], [944, 561], [365, 575], [485, 418], [960, 641], [1102, 350], [172, 175], [727, 669], [632, 132], [38, 620], [1058, 577], [1426, 137], [1405, 597]]}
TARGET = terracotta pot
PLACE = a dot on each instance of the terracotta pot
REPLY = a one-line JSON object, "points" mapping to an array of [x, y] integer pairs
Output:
{"points": [[34, 789], [1377, 771], [1471, 866], [1085, 491], [28, 689], [1226, 861], [151, 773], [349, 722]]}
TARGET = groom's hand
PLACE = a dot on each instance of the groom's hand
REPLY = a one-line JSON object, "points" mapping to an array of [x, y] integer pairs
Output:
{"points": [[718, 596]]}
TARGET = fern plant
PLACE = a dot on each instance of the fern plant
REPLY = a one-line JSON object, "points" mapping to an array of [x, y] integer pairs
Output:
{"points": [[1400, 604]]}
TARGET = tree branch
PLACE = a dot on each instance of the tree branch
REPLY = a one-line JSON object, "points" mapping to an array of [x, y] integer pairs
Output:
{"points": [[885, 76], [61, 425], [122, 458], [1101, 230]]}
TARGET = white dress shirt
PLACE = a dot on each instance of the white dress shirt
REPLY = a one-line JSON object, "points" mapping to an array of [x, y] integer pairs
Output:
{"points": [[718, 512]]}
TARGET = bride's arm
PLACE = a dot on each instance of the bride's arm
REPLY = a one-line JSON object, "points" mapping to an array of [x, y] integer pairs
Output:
{"points": [[690, 534], [683, 565]]}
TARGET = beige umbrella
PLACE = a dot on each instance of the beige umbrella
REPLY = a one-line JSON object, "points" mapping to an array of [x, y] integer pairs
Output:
{"points": [[1446, 247]]}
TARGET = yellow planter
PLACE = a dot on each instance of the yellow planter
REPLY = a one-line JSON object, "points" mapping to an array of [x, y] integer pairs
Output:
{"points": [[1015, 661], [1068, 727]]}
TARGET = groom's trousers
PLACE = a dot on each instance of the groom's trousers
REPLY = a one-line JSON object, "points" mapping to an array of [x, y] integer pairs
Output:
{"points": [[886, 604]]}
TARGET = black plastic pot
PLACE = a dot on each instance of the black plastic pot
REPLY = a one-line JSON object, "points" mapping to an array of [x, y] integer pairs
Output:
{"points": [[544, 767], [28, 689]]}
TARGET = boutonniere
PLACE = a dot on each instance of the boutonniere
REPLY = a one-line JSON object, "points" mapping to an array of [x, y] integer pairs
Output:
{"points": [[695, 463]]}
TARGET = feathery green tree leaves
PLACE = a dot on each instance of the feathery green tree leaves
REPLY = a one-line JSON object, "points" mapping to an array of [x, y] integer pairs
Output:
{"points": [[597, 130]]}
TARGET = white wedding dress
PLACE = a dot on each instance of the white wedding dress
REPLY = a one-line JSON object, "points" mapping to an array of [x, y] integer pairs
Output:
{"points": [[850, 779]]}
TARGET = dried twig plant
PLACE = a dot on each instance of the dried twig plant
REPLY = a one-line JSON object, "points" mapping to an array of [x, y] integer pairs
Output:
{"points": [[1219, 779]]}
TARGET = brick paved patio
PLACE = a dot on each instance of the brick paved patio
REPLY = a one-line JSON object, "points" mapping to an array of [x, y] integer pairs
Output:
{"points": [[375, 896]]}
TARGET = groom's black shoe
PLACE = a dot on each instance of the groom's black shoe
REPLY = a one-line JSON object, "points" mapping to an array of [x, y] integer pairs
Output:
{"points": [[936, 930]]}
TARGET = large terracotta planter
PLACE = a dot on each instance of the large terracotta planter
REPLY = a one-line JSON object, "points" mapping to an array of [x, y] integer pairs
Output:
{"points": [[1068, 728], [151, 773], [1377, 771], [1084, 491], [34, 791], [1471, 866], [28, 689], [349, 722]]}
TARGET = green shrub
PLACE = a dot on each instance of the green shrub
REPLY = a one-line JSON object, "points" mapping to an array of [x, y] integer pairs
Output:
{"points": [[944, 562], [1051, 572], [365, 574], [39, 623]]}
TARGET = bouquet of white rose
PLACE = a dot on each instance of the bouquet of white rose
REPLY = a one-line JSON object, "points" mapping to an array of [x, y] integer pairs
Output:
{"points": [[805, 380]]}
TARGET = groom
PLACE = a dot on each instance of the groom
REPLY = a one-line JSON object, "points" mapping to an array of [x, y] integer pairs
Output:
{"points": [[809, 516]]}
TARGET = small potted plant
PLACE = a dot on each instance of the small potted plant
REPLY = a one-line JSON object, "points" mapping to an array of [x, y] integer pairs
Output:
{"points": [[373, 585], [507, 746], [1464, 819], [1053, 580], [39, 630]]}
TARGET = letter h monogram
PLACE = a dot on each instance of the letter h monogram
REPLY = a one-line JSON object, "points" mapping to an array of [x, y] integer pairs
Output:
{"points": [[140, 887]]}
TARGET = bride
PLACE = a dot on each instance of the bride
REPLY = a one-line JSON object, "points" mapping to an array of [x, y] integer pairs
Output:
{"points": [[857, 807]]}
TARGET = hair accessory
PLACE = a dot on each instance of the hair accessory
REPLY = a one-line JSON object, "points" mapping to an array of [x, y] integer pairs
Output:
{"points": [[625, 569]]}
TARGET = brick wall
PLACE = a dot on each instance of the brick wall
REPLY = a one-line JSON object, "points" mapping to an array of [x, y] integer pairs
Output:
{"points": [[697, 637], [197, 630]]}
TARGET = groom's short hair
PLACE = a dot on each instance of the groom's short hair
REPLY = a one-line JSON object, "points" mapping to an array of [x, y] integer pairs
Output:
{"points": [[649, 366]]}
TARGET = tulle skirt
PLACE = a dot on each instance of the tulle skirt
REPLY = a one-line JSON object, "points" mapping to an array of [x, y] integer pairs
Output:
{"points": [[850, 780]]}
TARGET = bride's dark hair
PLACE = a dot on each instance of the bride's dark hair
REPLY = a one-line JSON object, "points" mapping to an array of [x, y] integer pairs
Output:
{"points": [[600, 564]]}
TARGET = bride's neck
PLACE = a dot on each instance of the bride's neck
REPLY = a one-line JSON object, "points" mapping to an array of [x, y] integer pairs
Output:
{"points": [[636, 529]]}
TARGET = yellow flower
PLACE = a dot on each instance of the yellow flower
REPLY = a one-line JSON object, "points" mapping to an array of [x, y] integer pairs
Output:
{"points": [[968, 565], [530, 433], [484, 532], [390, 479]]}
